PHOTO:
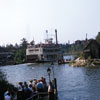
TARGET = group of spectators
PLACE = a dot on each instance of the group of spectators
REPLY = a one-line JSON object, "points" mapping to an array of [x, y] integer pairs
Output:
{"points": [[28, 89]]}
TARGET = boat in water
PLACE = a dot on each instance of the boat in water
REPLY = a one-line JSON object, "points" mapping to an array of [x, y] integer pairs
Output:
{"points": [[44, 52]]}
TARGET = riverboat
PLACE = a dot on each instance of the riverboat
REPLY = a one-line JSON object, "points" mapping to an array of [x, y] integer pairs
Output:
{"points": [[44, 52]]}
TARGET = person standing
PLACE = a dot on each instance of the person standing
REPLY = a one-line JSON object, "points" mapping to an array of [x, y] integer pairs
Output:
{"points": [[51, 91], [8, 91], [20, 92], [8, 96]]}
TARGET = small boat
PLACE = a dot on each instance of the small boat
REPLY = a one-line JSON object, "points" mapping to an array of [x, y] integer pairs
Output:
{"points": [[62, 61]]}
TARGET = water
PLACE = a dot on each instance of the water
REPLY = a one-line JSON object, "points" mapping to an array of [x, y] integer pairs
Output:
{"points": [[74, 83]]}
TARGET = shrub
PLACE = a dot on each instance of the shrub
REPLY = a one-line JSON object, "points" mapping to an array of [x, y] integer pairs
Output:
{"points": [[4, 85]]}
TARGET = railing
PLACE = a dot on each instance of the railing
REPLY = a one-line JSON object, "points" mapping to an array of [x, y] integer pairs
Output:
{"points": [[37, 96], [33, 97], [15, 96]]}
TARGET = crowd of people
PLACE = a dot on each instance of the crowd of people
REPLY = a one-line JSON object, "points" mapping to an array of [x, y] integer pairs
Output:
{"points": [[28, 89]]}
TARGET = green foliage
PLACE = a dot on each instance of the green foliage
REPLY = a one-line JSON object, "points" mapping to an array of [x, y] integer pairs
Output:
{"points": [[75, 48], [4, 85], [18, 51], [98, 38], [89, 58], [24, 43], [81, 56], [20, 56]]}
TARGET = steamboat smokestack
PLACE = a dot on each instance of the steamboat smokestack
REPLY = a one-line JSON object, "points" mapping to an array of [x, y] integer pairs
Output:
{"points": [[56, 36]]}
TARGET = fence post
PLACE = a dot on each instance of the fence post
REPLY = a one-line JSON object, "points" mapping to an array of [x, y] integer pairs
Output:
{"points": [[55, 89]]}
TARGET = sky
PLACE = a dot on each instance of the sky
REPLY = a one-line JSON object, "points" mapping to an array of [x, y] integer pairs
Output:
{"points": [[30, 18]]}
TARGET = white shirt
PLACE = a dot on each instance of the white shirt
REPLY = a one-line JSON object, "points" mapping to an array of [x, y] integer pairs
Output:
{"points": [[20, 88], [31, 83], [7, 97]]}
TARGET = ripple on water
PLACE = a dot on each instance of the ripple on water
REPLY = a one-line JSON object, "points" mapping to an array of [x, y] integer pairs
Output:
{"points": [[74, 83]]}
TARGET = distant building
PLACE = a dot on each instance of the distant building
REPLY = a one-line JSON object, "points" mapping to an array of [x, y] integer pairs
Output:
{"points": [[92, 50], [81, 42]]}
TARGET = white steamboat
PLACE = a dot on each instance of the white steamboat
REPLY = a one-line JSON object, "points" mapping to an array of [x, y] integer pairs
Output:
{"points": [[44, 52]]}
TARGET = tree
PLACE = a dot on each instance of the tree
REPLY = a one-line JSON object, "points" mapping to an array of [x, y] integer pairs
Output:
{"points": [[24, 43], [9, 47], [98, 38], [20, 55], [4, 85], [16, 46]]}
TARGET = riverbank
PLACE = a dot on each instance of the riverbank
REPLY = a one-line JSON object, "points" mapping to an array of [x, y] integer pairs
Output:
{"points": [[80, 62], [11, 64]]}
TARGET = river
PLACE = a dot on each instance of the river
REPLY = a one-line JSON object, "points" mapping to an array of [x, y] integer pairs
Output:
{"points": [[74, 83]]}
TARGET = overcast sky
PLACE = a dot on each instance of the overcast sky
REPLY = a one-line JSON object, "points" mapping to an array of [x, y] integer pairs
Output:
{"points": [[30, 18]]}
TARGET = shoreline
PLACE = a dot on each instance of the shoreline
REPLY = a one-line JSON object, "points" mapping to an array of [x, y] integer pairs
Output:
{"points": [[79, 62]]}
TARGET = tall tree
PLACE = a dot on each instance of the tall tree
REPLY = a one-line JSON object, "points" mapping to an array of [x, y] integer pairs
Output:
{"points": [[20, 55], [24, 43]]}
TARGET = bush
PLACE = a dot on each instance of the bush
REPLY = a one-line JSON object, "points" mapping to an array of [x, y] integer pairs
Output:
{"points": [[4, 85]]}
